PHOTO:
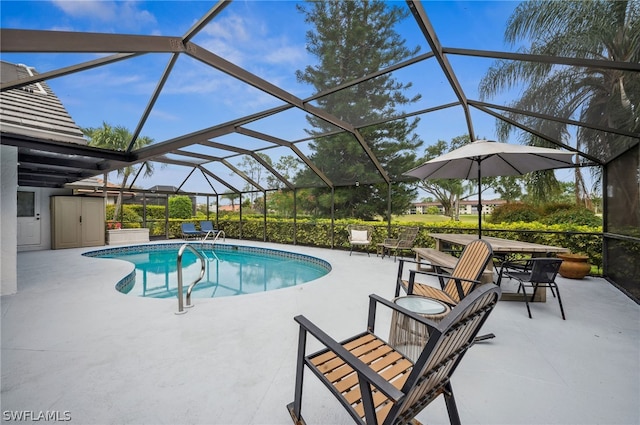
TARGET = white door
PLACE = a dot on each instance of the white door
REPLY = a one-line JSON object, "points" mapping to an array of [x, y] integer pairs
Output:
{"points": [[29, 217]]}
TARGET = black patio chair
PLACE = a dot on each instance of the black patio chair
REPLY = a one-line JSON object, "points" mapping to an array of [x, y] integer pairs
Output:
{"points": [[374, 382], [534, 273]]}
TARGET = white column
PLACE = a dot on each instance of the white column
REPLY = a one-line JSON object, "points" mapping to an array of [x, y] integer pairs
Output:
{"points": [[8, 219]]}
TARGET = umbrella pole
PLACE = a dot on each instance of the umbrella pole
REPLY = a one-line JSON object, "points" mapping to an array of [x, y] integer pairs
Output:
{"points": [[479, 201]]}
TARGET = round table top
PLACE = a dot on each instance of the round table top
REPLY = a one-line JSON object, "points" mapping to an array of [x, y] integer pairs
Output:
{"points": [[421, 305]]}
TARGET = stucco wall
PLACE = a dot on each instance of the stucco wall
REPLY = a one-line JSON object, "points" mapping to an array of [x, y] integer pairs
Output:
{"points": [[44, 203], [8, 219]]}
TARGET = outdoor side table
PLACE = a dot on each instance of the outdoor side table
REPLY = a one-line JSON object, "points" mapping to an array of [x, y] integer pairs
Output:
{"points": [[408, 335]]}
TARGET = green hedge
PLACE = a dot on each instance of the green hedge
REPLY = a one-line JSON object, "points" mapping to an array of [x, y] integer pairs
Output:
{"points": [[317, 232]]}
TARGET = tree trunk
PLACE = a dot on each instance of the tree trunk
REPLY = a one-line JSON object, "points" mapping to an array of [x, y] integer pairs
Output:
{"points": [[118, 206], [582, 195]]}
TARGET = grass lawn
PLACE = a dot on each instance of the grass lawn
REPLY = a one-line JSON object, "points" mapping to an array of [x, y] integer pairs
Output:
{"points": [[432, 218]]}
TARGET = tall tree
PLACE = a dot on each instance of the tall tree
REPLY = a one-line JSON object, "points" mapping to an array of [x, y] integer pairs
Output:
{"points": [[585, 29], [449, 192], [118, 138], [508, 187], [352, 39], [258, 173], [445, 191], [281, 201]]}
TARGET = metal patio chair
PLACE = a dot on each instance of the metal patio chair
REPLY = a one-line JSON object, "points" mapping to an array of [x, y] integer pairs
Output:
{"points": [[189, 231], [374, 382], [207, 229], [534, 273]]}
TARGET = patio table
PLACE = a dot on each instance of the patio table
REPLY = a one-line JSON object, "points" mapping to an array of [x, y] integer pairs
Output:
{"points": [[500, 246], [408, 335]]}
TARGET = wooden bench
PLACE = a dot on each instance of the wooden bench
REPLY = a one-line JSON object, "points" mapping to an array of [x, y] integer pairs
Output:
{"points": [[446, 261], [431, 255]]}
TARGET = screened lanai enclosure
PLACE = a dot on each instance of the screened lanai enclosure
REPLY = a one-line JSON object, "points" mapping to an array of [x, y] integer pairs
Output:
{"points": [[318, 108]]}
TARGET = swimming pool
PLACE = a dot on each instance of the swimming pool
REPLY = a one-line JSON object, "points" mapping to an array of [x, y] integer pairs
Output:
{"points": [[230, 270]]}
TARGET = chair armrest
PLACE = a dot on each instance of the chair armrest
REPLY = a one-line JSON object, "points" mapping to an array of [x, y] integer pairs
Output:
{"points": [[438, 272], [519, 265], [401, 262], [361, 368], [441, 277]]}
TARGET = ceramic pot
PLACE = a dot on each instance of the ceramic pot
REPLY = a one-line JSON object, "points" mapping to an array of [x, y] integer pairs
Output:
{"points": [[574, 266]]}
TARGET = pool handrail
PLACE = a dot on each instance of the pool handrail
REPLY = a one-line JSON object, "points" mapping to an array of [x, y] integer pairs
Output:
{"points": [[216, 234], [179, 267]]}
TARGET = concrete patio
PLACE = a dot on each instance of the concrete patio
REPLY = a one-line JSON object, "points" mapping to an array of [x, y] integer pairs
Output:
{"points": [[72, 344]]}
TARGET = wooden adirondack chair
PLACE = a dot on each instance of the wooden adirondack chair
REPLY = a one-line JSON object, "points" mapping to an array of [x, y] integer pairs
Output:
{"points": [[374, 382], [455, 286]]}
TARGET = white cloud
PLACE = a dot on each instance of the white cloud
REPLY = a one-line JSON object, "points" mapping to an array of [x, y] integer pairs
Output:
{"points": [[103, 10], [287, 54], [121, 14], [233, 28], [164, 115]]}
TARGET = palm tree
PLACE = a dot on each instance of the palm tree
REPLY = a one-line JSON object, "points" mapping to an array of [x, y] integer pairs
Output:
{"points": [[585, 29], [118, 138]]}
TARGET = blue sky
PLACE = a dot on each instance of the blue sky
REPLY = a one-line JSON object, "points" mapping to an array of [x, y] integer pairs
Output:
{"points": [[264, 37]]}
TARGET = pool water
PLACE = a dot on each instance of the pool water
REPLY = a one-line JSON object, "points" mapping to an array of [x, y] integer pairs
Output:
{"points": [[229, 270]]}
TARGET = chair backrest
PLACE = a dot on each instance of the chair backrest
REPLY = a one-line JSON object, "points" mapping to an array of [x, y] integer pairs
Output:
{"points": [[407, 236], [360, 233], [472, 262], [188, 227], [206, 226], [448, 342], [544, 270]]}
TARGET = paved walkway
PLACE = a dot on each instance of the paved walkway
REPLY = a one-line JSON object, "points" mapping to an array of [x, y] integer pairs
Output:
{"points": [[71, 343]]}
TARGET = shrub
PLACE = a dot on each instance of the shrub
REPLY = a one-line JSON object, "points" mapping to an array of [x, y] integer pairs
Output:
{"points": [[515, 212], [552, 208], [128, 216], [180, 207], [576, 215]]}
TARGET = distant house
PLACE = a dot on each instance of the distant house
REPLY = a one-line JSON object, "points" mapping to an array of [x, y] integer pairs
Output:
{"points": [[94, 186], [466, 207], [229, 208], [157, 195]]}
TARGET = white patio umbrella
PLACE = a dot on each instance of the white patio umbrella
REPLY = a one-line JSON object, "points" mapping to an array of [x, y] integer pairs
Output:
{"points": [[491, 159]]}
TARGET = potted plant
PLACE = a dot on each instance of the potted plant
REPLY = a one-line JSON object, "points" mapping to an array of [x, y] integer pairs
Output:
{"points": [[574, 266]]}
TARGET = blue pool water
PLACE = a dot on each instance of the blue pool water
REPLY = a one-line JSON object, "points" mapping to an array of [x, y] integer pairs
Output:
{"points": [[230, 270]]}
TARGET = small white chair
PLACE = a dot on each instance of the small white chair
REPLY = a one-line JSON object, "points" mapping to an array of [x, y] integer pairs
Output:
{"points": [[360, 235]]}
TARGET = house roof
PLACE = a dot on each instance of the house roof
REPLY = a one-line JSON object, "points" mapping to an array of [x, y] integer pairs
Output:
{"points": [[52, 148], [34, 110]]}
